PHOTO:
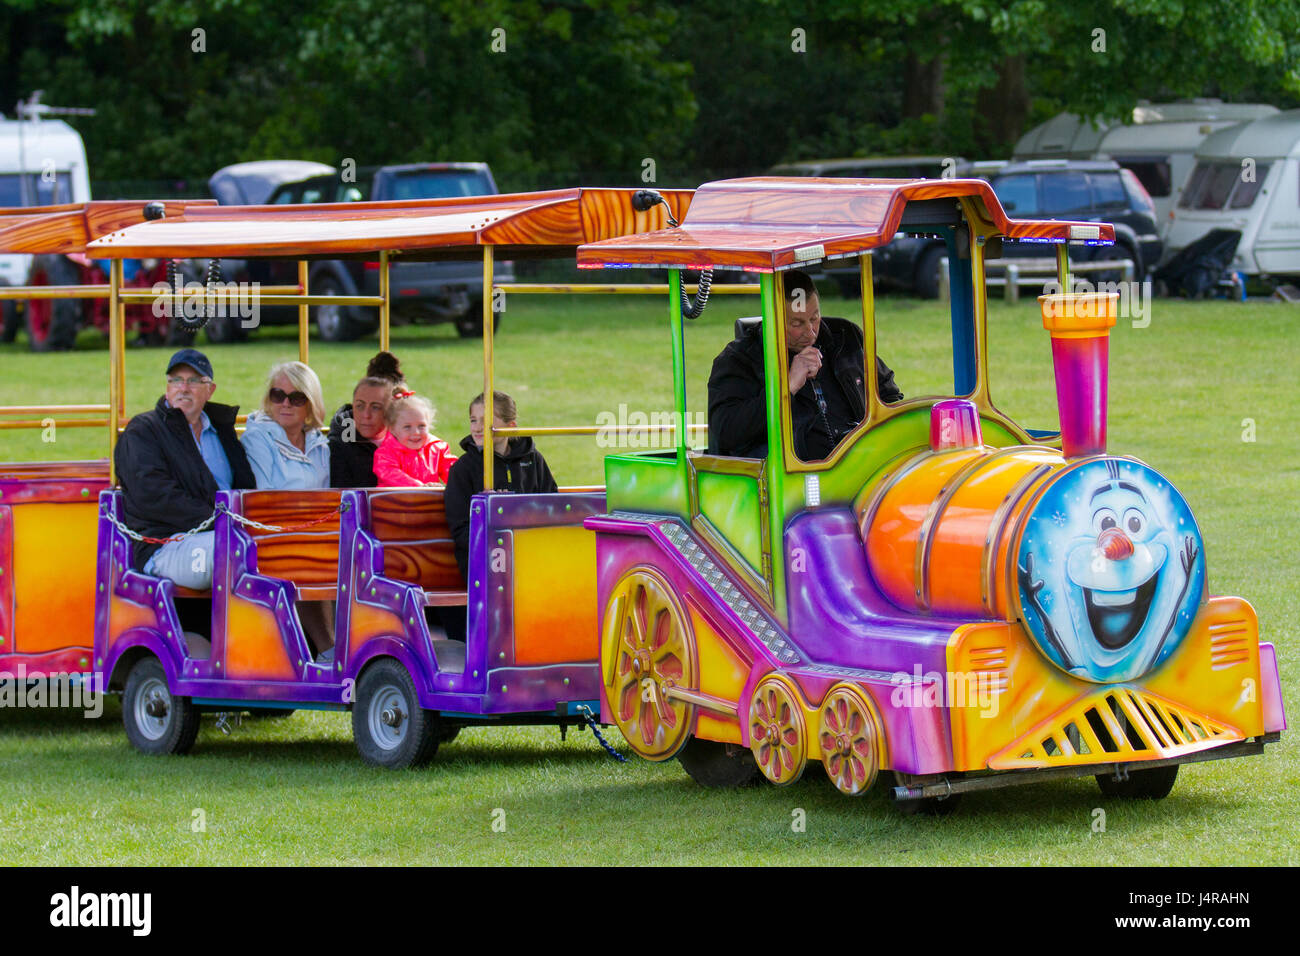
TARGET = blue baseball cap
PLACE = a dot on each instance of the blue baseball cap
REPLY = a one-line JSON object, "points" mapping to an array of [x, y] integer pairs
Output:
{"points": [[194, 359]]}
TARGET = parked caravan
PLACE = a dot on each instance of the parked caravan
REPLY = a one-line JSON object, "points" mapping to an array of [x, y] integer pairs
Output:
{"points": [[1247, 178], [1158, 147]]}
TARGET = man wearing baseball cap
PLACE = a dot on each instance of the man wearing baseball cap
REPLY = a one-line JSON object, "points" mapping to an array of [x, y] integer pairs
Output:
{"points": [[171, 462]]}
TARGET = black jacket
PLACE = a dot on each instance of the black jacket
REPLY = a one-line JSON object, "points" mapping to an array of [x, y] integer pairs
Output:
{"points": [[737, 396], [351, 462], [522, 469], [166, 485]]}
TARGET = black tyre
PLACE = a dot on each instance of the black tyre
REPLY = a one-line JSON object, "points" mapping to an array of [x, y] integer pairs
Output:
{"points": [[10, 320], [1153, 784], [719, 766], [470, 324], [224, 329], [927, 272], [448, 734], [388, 724], [336, 323], [157, 722], [180, 337], [52, 324], [1122, 253]]}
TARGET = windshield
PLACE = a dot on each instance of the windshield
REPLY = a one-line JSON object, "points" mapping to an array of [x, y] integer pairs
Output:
{"points": [[38, 190], [440, 184]]}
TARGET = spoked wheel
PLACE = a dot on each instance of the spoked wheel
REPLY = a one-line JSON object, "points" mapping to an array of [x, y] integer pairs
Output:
{"points": [[646, 649], [1152, 784], [777, 734], [850, 740], [390, 727], [717, 765], [155, 721]]}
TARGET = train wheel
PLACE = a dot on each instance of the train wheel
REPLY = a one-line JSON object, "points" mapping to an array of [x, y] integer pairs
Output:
{"points": [[777, 734], [155, 721], [850, 740], [717, 765], [648, 648], [389, 726], [1152, 784]]}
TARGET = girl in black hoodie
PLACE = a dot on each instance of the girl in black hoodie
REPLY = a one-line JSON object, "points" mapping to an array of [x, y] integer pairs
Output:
{"points": [[519, 467]]}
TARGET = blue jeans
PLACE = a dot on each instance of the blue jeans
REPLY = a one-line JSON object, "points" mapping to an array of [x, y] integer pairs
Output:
{"points": [[188, 562]]}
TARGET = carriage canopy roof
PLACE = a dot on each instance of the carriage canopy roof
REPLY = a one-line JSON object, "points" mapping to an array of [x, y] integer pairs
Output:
{"points": [[768, 224], [520, 225], [70, 228]]}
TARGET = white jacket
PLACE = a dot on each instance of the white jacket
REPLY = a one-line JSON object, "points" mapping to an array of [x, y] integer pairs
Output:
{"points": [[276, 461]]}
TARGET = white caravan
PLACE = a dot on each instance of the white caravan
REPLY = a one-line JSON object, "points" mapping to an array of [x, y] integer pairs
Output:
{"points": [[1247, 178], [1159, 146]]}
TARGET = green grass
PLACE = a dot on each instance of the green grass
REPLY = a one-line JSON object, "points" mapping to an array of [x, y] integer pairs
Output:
{"points": [[293, 791]]}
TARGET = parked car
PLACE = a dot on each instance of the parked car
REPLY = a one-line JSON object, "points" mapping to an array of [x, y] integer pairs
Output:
{"points": [[1089, 190], [1247, 179], [421, 291]]}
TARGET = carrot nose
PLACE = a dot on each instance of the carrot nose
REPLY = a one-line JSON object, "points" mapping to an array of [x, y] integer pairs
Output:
{"points": [[1115, 544]]}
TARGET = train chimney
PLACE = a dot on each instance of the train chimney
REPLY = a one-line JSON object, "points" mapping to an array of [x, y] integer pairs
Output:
{"points": [[1080, 324]]}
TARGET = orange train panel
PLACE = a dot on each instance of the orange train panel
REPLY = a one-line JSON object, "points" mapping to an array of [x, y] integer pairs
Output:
{"points": [[938, 540]]}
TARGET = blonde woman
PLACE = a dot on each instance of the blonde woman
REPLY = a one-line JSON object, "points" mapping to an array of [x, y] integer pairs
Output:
{"points": [[283, 441]]}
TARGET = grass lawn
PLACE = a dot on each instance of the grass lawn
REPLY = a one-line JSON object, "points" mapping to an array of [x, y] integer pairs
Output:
{"points": [[1186, 394]]}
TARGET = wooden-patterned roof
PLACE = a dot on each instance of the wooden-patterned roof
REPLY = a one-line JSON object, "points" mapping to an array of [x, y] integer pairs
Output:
{"points": [[767, 224], [518, 225], [68, 229]]}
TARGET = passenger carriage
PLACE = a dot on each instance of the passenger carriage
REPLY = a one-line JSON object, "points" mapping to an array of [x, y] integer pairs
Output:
{"points": [[949, 595]]}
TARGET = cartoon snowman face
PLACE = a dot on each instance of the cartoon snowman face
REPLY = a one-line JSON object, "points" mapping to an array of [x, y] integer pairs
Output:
{"points": [[1116, 575]]}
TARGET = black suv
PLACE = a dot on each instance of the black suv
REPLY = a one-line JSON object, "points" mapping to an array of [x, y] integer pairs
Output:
{"points": [[419, 291], [1087, 190]]}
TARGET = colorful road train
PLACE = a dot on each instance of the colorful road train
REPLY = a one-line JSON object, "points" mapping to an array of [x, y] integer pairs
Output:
{"points": [[948, 596]]}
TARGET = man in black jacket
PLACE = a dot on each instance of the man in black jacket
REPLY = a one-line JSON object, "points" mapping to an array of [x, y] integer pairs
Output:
{"points": [[827, 396], [171, 462]]}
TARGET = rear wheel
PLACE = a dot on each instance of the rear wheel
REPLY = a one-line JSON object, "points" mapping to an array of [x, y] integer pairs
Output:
{"points": [[388, 724], [927, 272], [155, 721], [470, 323], [52, 324], [1153, 784], [9, 319], [717, 765]]}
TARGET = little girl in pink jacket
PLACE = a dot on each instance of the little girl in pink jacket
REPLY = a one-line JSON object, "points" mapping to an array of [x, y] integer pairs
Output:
{"points": [[410, 457]]}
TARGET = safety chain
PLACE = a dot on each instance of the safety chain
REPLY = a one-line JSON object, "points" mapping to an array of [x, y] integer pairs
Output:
{"points": [[207, 523], [250, 523], [137, 536], [589, 720]]}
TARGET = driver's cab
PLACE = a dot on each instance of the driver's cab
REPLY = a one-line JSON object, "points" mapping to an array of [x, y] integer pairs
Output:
{"points": [[740, 505]]}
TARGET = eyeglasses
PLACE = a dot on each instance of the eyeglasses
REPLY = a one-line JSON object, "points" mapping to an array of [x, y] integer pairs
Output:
{"points": [[179, 382], [278, 395]]}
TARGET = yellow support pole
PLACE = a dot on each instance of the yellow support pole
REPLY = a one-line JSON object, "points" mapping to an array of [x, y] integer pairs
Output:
{"points": [[303, 317], [489, 403], [1063, 266], [384, 311], [115, 350], [117, 316]]}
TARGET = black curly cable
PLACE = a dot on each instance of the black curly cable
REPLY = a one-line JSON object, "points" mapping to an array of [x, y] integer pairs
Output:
{"points": [[693, 306]]}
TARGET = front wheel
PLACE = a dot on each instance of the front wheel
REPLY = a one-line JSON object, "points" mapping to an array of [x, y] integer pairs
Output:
{"points": [[337, 323], [388, 724], [1152, 784], [155, 721]]}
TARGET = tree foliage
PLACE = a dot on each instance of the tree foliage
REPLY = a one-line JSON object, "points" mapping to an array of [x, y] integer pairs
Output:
{"points": [[554, 91]]}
